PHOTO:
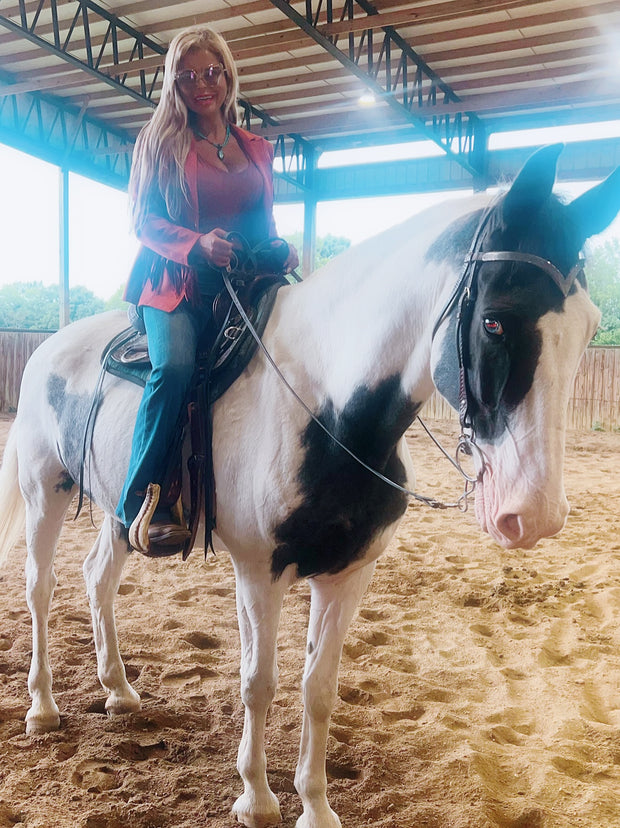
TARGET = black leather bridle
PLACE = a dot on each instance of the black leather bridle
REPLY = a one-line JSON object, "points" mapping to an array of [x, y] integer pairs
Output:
{"points": [[464, 296]]}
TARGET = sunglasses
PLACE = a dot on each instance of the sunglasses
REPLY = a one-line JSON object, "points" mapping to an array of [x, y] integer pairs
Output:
{"points": [[210, 76]]}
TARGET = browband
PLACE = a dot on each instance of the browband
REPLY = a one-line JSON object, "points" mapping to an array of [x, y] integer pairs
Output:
{"points": [[564, 283]]}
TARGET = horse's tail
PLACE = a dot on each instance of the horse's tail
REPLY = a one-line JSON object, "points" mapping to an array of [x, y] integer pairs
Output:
{"points": [[12, 506]]}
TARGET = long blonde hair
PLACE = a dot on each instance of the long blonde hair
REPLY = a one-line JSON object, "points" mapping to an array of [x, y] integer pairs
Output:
{"points": [[162, 145]]}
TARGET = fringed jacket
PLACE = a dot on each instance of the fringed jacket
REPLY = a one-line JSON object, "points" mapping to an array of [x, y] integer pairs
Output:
{"points": [[162, 274]]}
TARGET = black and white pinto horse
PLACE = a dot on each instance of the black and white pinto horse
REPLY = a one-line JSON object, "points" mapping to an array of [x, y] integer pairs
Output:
{"points": [[363, 341]]}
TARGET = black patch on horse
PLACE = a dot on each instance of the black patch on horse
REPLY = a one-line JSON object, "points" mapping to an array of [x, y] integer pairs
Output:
{"points": [[501, 369], [344, 505], [452, 245], [65, 482]]}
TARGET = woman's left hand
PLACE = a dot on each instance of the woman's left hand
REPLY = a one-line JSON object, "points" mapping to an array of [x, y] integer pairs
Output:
{"points": [[292, 260]]}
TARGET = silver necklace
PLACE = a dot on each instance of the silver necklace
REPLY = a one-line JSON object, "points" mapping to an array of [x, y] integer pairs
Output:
{"points": [[218, 147]]}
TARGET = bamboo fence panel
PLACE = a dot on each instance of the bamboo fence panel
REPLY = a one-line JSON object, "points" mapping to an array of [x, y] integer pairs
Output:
{"points": [[595, 400], [16, 348], [594, 404]]}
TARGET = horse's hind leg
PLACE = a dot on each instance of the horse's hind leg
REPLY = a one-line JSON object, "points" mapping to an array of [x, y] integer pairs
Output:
{"points": [[45, 511], [259, 601], [333, 603], [102, 573]]}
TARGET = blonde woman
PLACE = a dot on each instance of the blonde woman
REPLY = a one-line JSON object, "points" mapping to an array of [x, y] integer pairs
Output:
{"points": [[196, 176]]}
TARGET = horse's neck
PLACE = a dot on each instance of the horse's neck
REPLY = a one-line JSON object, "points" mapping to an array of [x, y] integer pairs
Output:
{"points": [[368, 315]]}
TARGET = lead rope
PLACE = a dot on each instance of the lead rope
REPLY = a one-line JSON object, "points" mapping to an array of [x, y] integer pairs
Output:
{"points": [[470, 482]]}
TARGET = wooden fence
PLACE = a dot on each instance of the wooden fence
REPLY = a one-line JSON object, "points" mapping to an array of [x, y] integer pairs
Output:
{"points": [[595, 402], [16, 347]]}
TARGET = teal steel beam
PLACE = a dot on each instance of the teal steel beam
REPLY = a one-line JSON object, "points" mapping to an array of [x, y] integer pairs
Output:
{"points": [[404, 94]]}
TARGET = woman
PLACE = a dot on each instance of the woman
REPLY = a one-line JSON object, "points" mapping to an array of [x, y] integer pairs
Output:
{"points": [[195, 177]]}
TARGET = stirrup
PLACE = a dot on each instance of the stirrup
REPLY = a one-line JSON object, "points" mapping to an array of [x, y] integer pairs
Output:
{"points": [[157, 540], [139, 529]]}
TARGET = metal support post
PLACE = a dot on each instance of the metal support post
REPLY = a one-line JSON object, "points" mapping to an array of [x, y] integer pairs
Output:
{"points": [[310, 204], [63, 224]]}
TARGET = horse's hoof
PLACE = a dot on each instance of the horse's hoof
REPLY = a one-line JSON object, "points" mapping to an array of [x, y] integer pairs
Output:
{"points": [[327, 819], [36, 723], [257, 815], [118, 705]]}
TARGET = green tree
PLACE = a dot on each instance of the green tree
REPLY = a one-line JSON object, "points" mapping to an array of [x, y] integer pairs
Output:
{"points": [[83, 302], [326, 247], [35, 306], [116, 301], [603, 274]]}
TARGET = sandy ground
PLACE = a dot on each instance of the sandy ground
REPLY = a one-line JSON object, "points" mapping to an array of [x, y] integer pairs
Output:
{"points": [[479, 688]]}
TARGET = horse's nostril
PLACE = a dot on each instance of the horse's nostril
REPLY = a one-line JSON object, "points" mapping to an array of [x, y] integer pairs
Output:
{"points": [[510, 526]]}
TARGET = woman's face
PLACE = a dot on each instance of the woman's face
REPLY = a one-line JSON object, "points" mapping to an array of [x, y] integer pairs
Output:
{"points": [[201, 82]]}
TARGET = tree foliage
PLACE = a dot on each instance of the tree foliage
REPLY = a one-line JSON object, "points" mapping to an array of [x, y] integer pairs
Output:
{"points": [[35, 306], [326, 247], [116, 301], [603, 274]]}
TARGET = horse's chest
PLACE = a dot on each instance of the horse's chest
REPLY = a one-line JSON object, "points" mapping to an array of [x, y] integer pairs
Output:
{"points": [[344, 507]]}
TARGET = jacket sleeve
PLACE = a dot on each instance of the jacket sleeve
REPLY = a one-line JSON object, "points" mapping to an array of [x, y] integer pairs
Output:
{"points": [[164, 237]]}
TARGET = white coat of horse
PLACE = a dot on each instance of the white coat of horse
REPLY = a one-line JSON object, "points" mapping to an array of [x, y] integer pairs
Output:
{"points": [[364, 342]]}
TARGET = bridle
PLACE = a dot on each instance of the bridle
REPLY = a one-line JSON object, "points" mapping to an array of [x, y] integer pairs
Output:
{"points": [[464, 297]]}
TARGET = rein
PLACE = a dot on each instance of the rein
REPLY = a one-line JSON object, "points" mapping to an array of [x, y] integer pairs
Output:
{"points": [[461, 503]]}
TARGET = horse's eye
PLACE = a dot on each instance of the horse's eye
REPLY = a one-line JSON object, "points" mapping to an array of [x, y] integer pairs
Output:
{"points": [[493, 327]]}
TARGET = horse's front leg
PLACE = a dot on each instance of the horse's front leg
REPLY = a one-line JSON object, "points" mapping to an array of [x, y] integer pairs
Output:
{"points": [[333, 603], [102, 573], [259, 602]]}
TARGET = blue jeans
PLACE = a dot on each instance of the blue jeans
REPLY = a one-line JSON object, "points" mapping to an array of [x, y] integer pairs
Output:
{"points": [[172, 340]]}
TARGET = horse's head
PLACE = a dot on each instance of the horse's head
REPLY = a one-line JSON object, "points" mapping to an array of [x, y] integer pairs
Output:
{"points": [[509, 342]]}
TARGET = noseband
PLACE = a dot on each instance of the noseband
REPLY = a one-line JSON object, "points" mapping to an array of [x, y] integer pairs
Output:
{"points": [[464, 295]]}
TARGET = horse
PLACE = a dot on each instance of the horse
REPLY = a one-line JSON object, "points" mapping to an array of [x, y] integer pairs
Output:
{"points": [[484, 299]]}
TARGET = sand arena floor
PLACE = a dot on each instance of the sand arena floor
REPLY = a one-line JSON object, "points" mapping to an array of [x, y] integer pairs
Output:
{"points": [[479, 688]]}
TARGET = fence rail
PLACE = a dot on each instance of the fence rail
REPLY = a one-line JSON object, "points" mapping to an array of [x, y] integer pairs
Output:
{"points": [[595, 401]]}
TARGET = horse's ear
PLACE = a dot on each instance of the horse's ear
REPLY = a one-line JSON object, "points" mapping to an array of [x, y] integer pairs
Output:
{"points": [[534, 184], [595, 209]]}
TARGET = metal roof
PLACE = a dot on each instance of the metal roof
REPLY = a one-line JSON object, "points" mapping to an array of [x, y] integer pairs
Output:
{"points": [[79, 79]]}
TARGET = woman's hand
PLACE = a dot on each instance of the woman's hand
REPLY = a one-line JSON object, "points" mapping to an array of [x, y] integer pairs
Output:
{"points": [[292, 260], [216, 248]]}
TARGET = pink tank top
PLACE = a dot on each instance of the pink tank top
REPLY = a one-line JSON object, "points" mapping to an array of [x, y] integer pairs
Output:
{"points": [[231, 200]]}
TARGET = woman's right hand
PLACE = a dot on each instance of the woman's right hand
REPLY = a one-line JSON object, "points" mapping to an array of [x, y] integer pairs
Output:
{"points": [[216, 248]]}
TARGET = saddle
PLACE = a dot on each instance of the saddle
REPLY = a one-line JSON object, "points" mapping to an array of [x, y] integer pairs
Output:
{"points": [[221, 357], [224, 354]]}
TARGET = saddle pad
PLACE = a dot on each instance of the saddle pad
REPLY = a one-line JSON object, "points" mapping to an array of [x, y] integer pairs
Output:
{"points": [[130, 360]]}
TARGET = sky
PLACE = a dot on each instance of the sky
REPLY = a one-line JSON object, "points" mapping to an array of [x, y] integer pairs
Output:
{"points": [[102, 246]]}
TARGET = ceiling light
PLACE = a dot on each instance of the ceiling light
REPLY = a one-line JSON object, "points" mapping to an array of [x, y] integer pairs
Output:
{"points": [[366, 99]]}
